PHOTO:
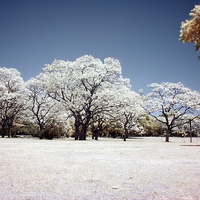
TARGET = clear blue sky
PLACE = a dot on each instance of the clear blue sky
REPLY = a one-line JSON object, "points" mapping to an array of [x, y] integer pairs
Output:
{"points": [[142, 34]]}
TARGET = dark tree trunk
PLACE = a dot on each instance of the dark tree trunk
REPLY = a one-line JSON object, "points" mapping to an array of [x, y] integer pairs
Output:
{"points": [[76, 134], [125, 135], [169, 132], [167, 137], [93, 132], [190, 123], [8, 132], [84, 127], [77, 129], [97, 134], [125, 132], [3, 132], [76, 137], [83, 132]]}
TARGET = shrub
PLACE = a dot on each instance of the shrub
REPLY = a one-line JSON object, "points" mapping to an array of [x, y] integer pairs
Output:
{"points": [[50, 133]]}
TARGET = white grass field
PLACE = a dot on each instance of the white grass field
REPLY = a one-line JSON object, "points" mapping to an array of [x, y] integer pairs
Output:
{"points": [[108, 169]]}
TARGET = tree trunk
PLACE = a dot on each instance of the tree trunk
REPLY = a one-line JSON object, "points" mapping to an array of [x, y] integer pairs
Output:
{"points": [[97, 134], [77, 130], [190, 123], [76, 134], [9, 131], [93, 133], [3, 131], [169, 131], [84, 127], [83, 132], [125, 132]]}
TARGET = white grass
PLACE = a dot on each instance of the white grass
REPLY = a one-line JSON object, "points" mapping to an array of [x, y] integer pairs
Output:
{"points": [[108, 169]]}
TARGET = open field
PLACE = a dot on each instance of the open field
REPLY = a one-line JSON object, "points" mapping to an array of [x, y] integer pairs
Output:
{"points": [[108, 169]]}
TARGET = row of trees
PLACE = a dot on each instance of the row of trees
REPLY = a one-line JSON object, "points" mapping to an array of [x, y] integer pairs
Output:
{"points": [[89, 95]]}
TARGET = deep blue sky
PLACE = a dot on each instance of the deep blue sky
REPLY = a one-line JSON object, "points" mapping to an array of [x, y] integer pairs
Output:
{"points": [[142, 34]]}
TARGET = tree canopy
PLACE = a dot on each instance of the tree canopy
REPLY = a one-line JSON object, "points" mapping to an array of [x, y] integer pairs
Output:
{"points": [[190, 29], [85, 88]]}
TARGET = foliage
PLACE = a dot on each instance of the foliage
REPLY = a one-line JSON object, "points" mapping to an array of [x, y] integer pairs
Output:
{"points": [[128, 111], [151, 127], [12, 98], [87, 88], [172, 104], [91, 97], [190, 29], [42, 109]]}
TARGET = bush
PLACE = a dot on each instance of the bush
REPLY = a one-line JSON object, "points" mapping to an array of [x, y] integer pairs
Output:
{"points": [[50, 133], [47, 134]]}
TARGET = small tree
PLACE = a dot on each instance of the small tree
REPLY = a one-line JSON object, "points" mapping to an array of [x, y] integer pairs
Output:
{"points": [[129, 110]]}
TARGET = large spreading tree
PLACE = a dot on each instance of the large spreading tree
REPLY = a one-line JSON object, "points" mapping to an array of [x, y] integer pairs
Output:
{"points": [[83, 87]]}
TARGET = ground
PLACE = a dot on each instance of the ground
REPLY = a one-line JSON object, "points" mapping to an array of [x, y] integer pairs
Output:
{"points": [[107, 169]]}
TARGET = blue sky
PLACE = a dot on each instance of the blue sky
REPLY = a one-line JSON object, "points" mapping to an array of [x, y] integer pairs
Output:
{"points": [[142, 34]]}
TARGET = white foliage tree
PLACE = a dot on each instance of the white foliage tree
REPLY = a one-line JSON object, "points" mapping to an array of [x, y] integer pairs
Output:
{"points": [[128, 109], [42, 108], [82, 86], [172, 104], [12, 98]]}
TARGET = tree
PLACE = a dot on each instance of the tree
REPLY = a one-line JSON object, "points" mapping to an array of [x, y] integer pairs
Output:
{"points": [[80, 86], [100, 122], [12, 98], [172, 104], [190, 29], [128, 109], [41, 106]]}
